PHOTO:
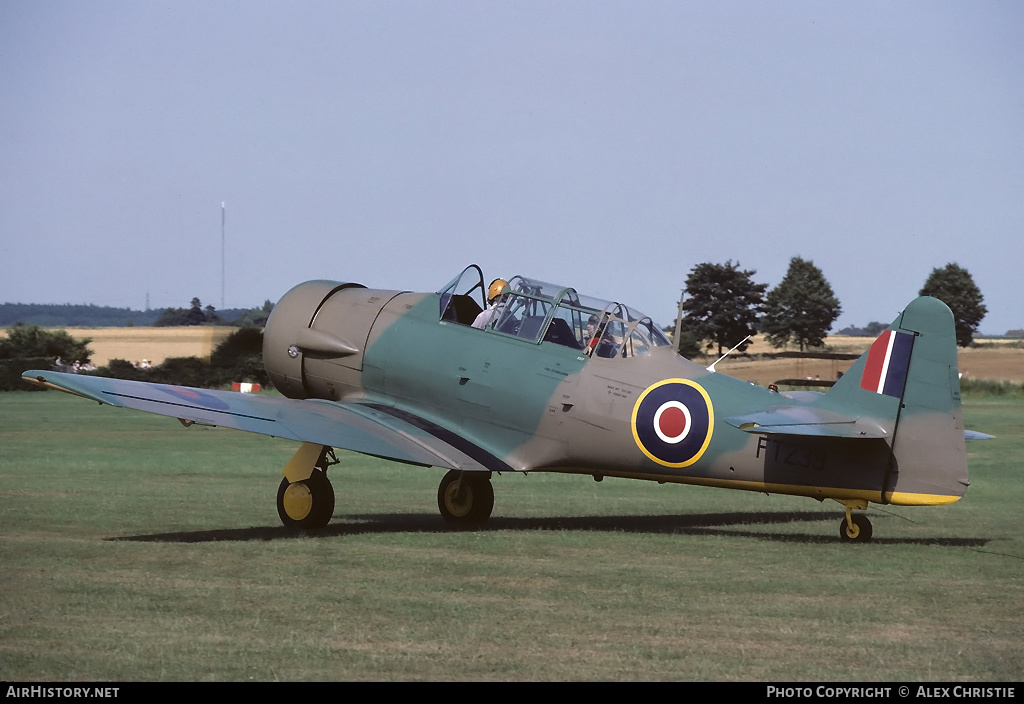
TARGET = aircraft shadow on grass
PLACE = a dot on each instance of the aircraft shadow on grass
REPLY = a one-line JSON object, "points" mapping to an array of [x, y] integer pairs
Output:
{"points": [[734, 524]]}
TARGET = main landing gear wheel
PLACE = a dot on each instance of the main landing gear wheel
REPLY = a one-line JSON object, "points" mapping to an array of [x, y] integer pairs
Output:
{"points": [[308, 504], [856, 527], [465, 498]]}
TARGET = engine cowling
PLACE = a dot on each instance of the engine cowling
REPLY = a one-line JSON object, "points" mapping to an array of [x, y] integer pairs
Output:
{"points": [[283, 354], [315, 337]]}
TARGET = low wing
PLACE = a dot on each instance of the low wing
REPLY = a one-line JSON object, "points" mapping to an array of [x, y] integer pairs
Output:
{"points": [[806, 420], [376, 430]]}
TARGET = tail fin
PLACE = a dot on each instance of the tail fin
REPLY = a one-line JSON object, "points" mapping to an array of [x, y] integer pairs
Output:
{"points": [[908, 384]]}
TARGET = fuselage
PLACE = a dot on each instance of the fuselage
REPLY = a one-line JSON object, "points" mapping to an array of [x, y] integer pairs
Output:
{"points": [[534, 404]]}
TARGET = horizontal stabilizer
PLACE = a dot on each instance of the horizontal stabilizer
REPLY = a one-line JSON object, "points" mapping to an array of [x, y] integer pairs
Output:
{"points": [[805, 420], [904, 391]]}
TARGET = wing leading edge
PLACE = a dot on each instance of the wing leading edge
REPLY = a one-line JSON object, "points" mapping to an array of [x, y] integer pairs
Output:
{"points": [[371, 430]]}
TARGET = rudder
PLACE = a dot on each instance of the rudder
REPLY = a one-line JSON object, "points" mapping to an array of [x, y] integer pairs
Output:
{"points": [[908, 383]]}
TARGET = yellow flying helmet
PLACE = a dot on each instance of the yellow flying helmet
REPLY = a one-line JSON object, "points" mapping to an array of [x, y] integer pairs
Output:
{"points": [[497, 286]]}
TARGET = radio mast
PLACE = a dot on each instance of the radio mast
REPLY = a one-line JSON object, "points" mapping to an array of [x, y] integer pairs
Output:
{"points": [[222, 248]]}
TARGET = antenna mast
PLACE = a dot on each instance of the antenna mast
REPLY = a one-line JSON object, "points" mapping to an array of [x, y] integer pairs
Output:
{"points": [[222, 265]]}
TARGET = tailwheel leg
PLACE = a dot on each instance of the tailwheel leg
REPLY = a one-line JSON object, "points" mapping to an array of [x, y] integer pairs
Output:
{"points": [[465, 498], [307, 502], [855, 527]]}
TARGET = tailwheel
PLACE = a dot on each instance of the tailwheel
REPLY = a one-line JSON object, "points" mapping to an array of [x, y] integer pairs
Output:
{"points": [[855, 527], [465, 498], [308, 504]]}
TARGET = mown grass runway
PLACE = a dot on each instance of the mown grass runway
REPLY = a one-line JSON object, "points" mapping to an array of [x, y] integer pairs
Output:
{"points": [[134, 549]]}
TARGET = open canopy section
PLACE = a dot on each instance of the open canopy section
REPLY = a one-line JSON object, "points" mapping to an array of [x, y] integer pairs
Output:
{"points": [[544, 312]]}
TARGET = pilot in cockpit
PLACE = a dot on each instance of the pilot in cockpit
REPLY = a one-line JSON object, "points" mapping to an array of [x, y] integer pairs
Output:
{"points": [[601, 340], [591, 332], [596, 338], [494, 292]]}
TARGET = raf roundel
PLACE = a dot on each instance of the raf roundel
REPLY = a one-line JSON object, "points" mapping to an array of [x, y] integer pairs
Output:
{"points": [[673, 421]]}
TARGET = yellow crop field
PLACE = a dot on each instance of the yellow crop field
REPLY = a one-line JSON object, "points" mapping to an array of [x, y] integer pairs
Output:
{"points": [[152, 344]]}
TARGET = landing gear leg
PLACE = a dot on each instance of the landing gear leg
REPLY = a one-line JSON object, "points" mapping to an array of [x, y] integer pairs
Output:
{"points": [[307, 502], [465, 498], [855, 527]]}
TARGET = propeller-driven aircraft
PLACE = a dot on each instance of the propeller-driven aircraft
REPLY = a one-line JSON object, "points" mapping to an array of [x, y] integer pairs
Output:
{"points": [[556, 381]]}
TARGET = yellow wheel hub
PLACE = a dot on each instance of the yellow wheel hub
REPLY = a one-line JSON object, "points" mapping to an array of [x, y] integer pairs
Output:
{"points": [[457, 507], [298, 501]]}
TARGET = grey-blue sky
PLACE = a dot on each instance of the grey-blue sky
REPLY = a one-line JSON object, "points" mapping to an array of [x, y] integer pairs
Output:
{"points": [[609, 146]]}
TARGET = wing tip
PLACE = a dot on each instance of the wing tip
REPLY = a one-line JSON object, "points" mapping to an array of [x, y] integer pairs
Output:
{"points": [[39, 378]]}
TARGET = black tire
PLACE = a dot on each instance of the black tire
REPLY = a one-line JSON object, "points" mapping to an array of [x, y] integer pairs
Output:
{"points": [[861, 529], [475, 502], [308, 504]]}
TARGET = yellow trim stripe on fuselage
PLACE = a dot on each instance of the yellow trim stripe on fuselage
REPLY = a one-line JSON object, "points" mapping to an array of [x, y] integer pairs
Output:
{"points": [[898, 498]]}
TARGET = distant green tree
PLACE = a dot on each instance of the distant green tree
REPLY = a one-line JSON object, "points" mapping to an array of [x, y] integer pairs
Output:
{"points": [[183, 371], [687, 345], [211, 316], [954, 286], [802, 307], [256, 316], [122, 369], [722, 304], [872, 329], [34, 341], [193, 315], [172, 317], [240, 356]]}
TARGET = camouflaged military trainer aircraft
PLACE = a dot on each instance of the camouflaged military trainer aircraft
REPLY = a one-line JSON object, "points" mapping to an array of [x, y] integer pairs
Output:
{"points": [[559, 382]]}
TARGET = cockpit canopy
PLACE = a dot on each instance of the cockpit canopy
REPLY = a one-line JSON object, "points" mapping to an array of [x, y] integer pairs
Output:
{"points": [[539, 311]]}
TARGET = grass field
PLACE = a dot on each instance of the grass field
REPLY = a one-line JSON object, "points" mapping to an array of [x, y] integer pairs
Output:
{"points": [[134, 549]]}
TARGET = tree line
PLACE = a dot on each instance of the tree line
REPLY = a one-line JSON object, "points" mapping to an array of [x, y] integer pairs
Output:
{"points": [[92, 316], [723, 305], [196, 314]]}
